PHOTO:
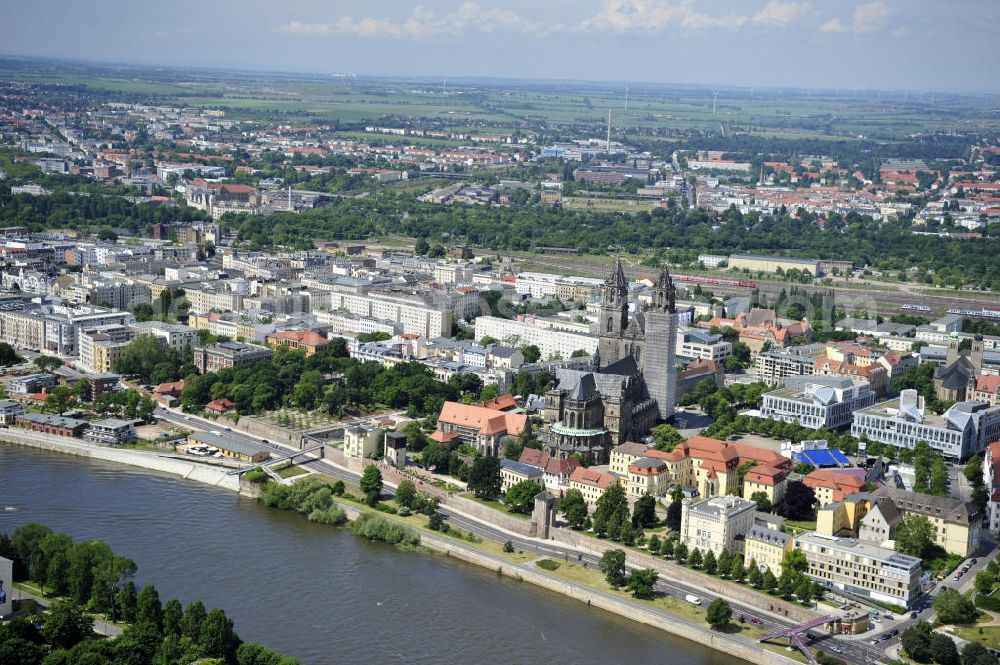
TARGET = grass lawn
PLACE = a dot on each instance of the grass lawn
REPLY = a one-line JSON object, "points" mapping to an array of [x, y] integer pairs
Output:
{"points": [[942, 563], [291, 471], [496, 505], [31, 587], [988, 636], [798, 526]]}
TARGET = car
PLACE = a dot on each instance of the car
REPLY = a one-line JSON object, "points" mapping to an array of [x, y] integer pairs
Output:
{"points": [[889, 617], [913, 615], [974, 561], [875, 640], [894, 632], [755, 620], [877, 619], [955, 578], [836, 649]]}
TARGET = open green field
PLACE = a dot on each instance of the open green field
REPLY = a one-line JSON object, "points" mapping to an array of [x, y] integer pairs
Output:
{"points": [[661, 113]]}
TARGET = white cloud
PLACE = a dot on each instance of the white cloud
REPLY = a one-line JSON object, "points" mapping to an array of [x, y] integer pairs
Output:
{"points": [[655, 15], [868, 17], [422, 23], [780, 13]]}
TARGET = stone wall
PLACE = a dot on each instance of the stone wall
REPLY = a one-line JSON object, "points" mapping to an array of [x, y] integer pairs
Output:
{"points": [[147, 460], [263, 429]]}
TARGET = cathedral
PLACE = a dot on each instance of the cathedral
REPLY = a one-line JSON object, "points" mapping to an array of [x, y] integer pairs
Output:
{"points": [[632, 383]]}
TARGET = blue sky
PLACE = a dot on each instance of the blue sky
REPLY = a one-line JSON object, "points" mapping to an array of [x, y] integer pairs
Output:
{"points": [[844, 44]]}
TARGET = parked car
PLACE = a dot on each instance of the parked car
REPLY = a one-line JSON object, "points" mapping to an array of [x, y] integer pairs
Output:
{"points": [[889, 617], [836, 649]]}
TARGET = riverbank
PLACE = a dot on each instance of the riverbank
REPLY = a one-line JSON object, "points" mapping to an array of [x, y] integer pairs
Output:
{"points": [[450, 547], [146, 460]]}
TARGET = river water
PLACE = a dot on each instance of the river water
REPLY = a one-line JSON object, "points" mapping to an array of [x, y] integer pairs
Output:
{"points": [[312, 591]]}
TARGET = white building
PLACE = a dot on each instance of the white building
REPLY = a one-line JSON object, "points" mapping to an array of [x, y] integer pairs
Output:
{"points": [[964, 429], [173, 335], [549, 342], [716, 523], [817, 402], [991, 480], [693, 343], [361, 441]]}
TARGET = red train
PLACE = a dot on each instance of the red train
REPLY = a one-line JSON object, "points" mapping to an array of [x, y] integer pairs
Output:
{"points": [[718, 281]]}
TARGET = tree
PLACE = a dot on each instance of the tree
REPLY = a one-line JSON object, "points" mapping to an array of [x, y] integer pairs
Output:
{"points": [[667, 547], [674, 515], [943, 650], [47, 363], [194, 617], [666, 437], [680, 552], [416, 440], [148, 608], [973, 470], [257, 654], [531, 353], [736, 570], [952, 607], [710, 563], [719, 614], [915, 536], [484, 477], [786, 583], [520, 498], [574, 508], [762, 501], [695, 559], [613, 567], [59, 399], [8, 356], [435, 456], [611, 503], [406, 492], [725, 563], [803, 590], [642, 583], [654, 544], [371, 484], [974, 653], [173, 618], [66, 624], [127, 602], [769, 582], [137, 645], [754, 576], [217, 638], [644, 512], [916, 642], [795, 559], [798, 501]]}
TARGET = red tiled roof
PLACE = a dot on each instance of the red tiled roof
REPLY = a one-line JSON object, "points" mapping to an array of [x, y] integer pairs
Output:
{"points": [[841, 481], [168, 388], [591, 477], [487, 421], [534, 457], [503, 402], [221, 404], [301, 336]]}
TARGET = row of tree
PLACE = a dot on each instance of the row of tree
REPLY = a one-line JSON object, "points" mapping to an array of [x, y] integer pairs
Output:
{"points": [[88, 577]]}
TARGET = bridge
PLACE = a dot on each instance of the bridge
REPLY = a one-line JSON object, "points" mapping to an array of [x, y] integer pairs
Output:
{"points": [[266, 466], [793, 635]]}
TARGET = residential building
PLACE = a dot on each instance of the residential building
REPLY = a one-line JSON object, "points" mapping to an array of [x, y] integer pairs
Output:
{"points": [[556, 471], [29, 384], [176, 336], [957, 524], [991, 480], [817, 402], [694, 343], [623, 455], [963, 430], [551, 342], [717, 523], [228, 354], [361, 441], [767, 547], [862, 569], [647, 475], [111, 431], [101, 348], [9, 411], [512, 473], [591, 483], [832, 485], [308, 340], [480, 426], [775, 365]]}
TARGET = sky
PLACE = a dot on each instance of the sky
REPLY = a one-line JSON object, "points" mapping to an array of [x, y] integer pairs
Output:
{"points": [[944, 45]]}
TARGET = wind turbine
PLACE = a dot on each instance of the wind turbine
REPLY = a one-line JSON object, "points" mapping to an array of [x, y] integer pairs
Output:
{"points": [[715, 98], [626, 98]]}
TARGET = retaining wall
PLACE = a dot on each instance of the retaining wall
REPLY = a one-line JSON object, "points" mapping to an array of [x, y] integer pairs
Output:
{"points": [[146, 460]]}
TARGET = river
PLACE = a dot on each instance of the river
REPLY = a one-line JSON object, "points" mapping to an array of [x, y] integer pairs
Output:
{"points": [[312, 591]]}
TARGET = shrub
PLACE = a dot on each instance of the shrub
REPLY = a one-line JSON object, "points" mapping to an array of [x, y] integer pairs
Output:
{"points": [[548, 564], [386, 508], [376, 527]]}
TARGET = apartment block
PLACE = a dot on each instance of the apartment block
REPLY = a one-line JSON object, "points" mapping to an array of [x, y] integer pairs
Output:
{"points": [[717, 523], [550, 342], [228, 354]]}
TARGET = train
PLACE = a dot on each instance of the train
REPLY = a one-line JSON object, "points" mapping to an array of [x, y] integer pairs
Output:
{"points": [[983, 313], [718, 281], [915, 308]]}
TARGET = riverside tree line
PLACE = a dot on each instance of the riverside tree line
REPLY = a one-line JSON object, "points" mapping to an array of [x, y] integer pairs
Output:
{"points": [[86, 578]]}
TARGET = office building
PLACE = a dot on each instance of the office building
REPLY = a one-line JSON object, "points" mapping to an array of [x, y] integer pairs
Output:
{"points": [[817, 402], [717, 523]]}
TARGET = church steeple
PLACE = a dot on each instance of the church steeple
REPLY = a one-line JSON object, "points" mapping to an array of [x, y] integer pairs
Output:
{"points": [[664, 293], [614, 309]]}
